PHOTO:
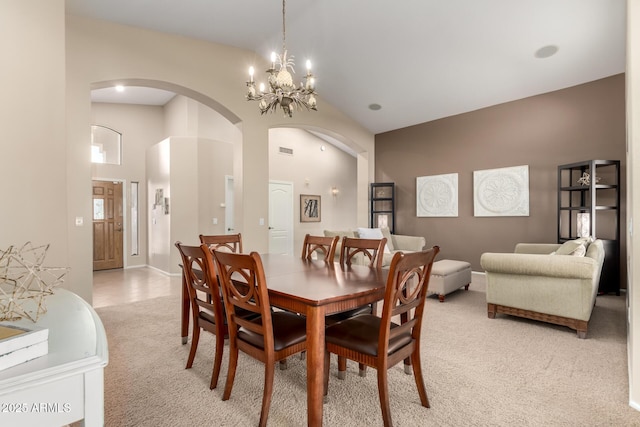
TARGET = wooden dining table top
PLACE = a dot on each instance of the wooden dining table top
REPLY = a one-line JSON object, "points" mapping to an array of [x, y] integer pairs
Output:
{"points": [[318, 282]]}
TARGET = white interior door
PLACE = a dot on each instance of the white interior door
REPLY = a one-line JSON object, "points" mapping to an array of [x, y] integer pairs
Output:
{"points": [[281, 217], [229, 226]]}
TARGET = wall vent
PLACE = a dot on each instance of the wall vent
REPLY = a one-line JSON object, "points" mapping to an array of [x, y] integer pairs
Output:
{"points": [[285, 150]]}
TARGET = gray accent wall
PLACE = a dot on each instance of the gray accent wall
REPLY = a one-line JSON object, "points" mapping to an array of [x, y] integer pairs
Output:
{"points": [[578, 123]]}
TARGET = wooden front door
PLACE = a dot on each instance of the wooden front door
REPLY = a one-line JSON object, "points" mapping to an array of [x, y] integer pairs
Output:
{"points": [[107, 225]]}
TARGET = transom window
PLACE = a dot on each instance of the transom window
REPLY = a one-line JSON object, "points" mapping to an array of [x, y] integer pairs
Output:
{"points": [[106, 145]]}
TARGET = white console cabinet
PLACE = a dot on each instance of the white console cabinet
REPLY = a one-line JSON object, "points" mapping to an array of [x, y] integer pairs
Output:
{"points": [[66, 385]]}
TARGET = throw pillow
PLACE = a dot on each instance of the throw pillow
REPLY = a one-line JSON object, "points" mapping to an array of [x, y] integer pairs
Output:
{"points": [[572, 247], [372, 233], [386, 233]]}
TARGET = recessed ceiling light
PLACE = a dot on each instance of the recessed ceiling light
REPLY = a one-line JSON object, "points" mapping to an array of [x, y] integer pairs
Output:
{"points": [[119, 88], [546, 51], [375, 107]]}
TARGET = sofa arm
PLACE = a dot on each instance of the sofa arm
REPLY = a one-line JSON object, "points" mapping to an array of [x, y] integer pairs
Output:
{"points": [[408, 243], [536, 248], [563, 266]]}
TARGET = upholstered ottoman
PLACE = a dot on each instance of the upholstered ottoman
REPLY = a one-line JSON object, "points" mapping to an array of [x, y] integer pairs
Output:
{"points": [[448, 275]]}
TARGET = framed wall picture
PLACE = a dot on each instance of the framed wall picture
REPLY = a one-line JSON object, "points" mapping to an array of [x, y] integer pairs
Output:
{"points": [[309, 208]]}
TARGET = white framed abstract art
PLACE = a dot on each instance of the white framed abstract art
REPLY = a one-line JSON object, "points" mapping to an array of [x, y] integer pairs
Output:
{"points": [[501, 192], [437, 195]]}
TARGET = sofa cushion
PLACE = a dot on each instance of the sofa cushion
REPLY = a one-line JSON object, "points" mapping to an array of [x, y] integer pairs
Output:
{"points": [[372, 233], [572, 247], [329, 233]]}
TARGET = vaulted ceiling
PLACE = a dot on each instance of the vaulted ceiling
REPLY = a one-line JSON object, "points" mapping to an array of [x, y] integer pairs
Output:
{"points": [[419, 60]]}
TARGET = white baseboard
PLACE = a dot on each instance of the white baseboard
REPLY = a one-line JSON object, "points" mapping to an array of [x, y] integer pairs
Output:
{"points": [[166, 273]]}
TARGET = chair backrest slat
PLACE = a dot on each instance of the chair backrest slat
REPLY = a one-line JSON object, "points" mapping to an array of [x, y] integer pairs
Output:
{"points": [[371, 249], [325, 246], [228, 242]]}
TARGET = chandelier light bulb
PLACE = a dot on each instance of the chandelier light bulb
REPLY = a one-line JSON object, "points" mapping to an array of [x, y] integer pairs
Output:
{"points": [[308, 65], [251, 71], [261, 87]]}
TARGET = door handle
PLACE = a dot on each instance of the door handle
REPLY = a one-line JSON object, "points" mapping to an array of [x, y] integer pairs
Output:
{"points": [[229, 229]]}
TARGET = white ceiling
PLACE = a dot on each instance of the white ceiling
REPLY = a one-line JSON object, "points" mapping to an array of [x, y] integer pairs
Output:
{"points": [[420, 60]]}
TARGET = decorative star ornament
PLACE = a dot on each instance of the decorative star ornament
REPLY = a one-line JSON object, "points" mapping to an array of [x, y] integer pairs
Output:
{"points": [[25, 283]]}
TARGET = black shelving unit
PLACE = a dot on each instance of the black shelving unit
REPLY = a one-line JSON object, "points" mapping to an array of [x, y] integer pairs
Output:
{"points": [[383, 205], [589, 205]]}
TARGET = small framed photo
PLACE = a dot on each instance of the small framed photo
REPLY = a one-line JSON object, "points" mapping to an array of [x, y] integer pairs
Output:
{"points": [[309, 208]]}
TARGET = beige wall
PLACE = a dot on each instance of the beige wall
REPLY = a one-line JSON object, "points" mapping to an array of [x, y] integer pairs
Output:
{"points": [[579, 123], [633, 197], [190, 172], [33, 157], [99, 54], [313, 171], [158, 173]]}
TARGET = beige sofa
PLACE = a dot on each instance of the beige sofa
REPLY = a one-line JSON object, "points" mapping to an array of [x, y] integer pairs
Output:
{"points": [[547, 282], [395, 243]]}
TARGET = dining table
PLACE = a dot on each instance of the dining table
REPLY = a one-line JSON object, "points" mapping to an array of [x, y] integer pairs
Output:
{"points": [[314, 289]]}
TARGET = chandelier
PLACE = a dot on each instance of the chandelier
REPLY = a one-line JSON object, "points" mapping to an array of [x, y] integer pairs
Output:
{"points": [[282, 90]]}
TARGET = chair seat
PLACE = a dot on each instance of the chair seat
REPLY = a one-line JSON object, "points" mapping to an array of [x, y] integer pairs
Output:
{"points": [[361, 334], [288, 329], [209, 317], [339, 317]]}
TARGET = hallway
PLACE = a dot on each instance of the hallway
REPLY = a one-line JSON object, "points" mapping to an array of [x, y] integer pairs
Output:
{"points": [[122, 286]]}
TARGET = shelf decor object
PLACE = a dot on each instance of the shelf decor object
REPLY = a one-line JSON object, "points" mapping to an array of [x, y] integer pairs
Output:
{"points": [[25, 282], [501, 192], [589, 206], [437, 195], [382, 210]]}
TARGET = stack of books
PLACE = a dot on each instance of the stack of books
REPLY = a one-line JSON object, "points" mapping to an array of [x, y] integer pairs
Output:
{"points": [[20, 344]]}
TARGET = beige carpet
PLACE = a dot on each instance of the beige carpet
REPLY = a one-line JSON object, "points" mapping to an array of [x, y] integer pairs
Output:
{"points": [[478, 372]]}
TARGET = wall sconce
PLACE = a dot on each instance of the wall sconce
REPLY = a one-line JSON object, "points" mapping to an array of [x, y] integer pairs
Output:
{"points": [[334, 191]]}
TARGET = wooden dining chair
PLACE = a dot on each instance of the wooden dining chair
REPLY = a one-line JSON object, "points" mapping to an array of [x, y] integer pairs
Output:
{"points": [[205, 299], [377, 341], [230, 242], [321, 246], [371, 249], [272, 337]]}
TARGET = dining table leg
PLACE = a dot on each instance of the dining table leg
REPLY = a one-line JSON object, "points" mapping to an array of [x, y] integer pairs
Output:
{"points": [[315, 365]]}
